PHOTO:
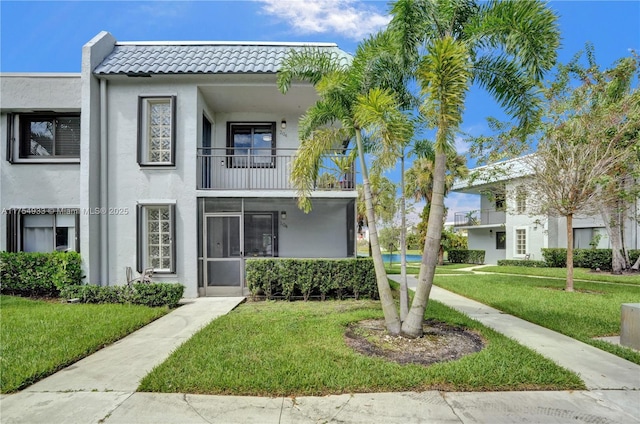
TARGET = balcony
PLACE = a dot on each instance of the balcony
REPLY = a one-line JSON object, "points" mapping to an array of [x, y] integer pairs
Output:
{"points": [[479, 217], [267, 169]]}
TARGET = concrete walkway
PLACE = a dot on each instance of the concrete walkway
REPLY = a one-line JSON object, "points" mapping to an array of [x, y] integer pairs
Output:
{"points": [[101, 388], [599, 370]]}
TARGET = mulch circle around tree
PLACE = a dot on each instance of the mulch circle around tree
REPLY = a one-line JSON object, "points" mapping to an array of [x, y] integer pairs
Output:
{"points": [[441, 342]]}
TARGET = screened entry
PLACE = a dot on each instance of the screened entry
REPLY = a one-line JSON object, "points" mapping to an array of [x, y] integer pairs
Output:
{"points": [[230, 234], [232, 230]]}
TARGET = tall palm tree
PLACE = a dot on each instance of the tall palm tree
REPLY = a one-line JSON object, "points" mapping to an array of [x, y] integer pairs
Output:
{"points": [[504, 47], [351, 105]]}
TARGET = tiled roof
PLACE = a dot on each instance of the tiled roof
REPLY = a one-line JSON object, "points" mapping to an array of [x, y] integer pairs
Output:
{"points": [[214, 58]]}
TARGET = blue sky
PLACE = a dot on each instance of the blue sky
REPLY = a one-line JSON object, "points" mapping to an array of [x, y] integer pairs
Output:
{"points": [[47, 36]]}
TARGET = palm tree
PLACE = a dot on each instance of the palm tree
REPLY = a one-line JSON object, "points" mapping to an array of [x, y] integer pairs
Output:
{"points": [[420, 177], [351, 105], [504, 47], [383, 197]]}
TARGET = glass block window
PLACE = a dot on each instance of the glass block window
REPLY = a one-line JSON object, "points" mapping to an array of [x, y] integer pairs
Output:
{"points": [[521, 241], [156, 234], [521, 200], [156, 131]]}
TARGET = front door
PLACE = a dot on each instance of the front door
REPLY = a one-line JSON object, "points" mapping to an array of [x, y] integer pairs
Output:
{"points": [[223, 255]]}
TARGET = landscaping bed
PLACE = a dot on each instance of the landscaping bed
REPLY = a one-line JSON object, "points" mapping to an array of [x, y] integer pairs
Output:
{"points": [[38, 338], [299, 348]]}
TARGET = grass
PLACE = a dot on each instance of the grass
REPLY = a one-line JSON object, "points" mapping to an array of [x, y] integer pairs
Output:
{"points": [[592, 311], [38, 338], [298, 348], [578, 273], [414, 268]]}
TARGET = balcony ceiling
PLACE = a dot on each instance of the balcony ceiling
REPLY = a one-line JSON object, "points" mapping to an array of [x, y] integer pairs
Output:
{"points": [[259, 97]]}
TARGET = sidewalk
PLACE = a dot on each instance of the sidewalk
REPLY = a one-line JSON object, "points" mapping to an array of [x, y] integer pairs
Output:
{"points": [[101, 388]]}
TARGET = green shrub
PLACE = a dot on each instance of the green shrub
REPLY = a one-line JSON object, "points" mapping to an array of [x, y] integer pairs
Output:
{"points": [[522, 262], [307, 278], [39, 274], [158, 294], [463, 256], [593, 258], [584, 258], [555, 257], [148, 294]]}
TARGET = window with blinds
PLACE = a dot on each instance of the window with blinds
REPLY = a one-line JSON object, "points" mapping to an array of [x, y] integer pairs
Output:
{"points": [[49, 136]]}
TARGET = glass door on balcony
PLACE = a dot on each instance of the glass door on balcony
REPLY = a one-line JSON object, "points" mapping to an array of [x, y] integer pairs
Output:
{"points": [[223, 255]]}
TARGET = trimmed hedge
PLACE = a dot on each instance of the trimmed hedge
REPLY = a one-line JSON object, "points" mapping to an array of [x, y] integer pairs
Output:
{"points": [[39, 274], [584, 258], [466, 256], [311, 278], [148, 294], [555, 257], [522, 262]]}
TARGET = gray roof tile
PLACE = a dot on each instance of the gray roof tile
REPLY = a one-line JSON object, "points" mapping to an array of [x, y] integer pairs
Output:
{"points": [[200, 58]]}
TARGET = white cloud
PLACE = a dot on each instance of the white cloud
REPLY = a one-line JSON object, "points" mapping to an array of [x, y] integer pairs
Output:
{"points": [[349, 18], [461, 145]]}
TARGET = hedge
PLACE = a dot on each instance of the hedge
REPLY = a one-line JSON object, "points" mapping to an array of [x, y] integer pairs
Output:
{"points": [[148, 294], [39, 274], [522, 262], [311, 278], [584, 258], [466, 256]]}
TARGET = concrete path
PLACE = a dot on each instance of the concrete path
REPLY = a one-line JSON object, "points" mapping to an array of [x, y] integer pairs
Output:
{"points": [[599, 370], [101, 388]]}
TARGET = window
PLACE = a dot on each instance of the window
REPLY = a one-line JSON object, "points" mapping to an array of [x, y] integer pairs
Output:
{"points": [[261, 233], [43, 137], [521, 241], [42, 230], [500, 203], [156, 130], [521, 200], [501, 240], [156, 235], [251, 145]]}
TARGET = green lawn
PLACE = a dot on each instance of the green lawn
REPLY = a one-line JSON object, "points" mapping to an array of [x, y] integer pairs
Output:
{"points": [[298, 348], [582, 315], [578, 273], [414, 268], [38, 338]]}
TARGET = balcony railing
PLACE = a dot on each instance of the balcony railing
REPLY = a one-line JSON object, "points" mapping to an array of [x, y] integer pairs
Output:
{"points": [[479, 217], [266, 169]]}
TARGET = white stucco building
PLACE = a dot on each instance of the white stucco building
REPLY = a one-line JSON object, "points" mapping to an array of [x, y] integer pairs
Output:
{"points": [[167, 155], [505, 228]]}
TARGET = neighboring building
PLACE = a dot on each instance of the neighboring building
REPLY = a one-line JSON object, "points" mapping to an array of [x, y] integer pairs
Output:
{"points": [[174, 156], [505, 228]]}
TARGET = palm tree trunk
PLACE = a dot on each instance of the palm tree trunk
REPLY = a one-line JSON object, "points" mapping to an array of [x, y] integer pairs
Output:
{"points": [[404, 290], [412, 326], [569, 286], [391, 317]]}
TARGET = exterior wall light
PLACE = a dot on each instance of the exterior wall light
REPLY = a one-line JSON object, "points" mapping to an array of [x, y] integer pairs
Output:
{"points": [[283, 215], [283, 123]]}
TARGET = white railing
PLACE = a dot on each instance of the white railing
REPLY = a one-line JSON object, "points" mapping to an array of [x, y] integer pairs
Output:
{"points": [[479, 217], [264, 169]]}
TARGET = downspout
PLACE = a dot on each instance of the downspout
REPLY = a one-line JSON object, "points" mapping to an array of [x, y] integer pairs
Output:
{"points": [[104, 197]]}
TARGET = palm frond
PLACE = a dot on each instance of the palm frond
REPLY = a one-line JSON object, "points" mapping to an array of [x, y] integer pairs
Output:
{"points": [[308, 64], [445, 75], [306, 165], [525, 30]]}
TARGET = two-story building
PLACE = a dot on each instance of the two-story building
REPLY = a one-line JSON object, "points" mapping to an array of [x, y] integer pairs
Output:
{"points": [[173, 156], [506, 225]]}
